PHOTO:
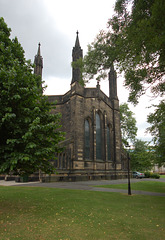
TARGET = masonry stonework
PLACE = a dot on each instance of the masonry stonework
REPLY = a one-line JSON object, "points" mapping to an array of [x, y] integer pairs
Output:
{"points": [[91, 121]]}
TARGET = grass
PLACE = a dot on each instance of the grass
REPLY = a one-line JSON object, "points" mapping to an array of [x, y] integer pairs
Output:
{"points": [[162, 176], [50, 214], [144, 186]]}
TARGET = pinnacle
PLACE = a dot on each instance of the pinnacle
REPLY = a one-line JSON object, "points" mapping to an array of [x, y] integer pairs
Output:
{"points": [[77, 44], [39, 51]]}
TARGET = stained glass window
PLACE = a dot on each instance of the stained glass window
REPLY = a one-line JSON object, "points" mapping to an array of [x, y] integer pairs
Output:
{"points": [[108, 143], [87, 140], [98, 138]]}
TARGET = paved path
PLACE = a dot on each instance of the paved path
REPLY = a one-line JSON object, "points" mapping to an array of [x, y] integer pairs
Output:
{"points": [[88, 185]]}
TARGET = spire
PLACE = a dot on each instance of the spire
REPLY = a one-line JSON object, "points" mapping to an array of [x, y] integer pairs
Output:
{"points": [[77, 43], [39, 51], [77, 53], [38, 62], [112, 83]]}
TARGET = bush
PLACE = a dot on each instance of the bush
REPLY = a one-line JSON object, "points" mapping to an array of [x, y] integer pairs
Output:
{"points": [[152, 175], [155, 175], [147, 174]]}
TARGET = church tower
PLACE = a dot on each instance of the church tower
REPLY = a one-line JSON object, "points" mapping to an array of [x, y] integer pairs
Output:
{"points": [[116, 117], [77, 53], [112, 84], [38, 61], [91, 121]]}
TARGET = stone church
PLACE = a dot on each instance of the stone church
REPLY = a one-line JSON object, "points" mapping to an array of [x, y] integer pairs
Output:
{"points": [[91, 121]]}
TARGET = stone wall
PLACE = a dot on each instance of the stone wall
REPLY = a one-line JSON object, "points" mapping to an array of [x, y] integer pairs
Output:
{"points": [[82, 103]]}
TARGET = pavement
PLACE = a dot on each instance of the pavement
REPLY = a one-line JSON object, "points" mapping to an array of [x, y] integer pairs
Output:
{"points": [[88, 185]]}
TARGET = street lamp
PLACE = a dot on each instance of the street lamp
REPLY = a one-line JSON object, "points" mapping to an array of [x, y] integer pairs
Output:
{"points": [[128, 157]]}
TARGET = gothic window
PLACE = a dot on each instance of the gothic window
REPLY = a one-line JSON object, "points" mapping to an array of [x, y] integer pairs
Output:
{"points": [[98, 137], [108, 143], [87, 139]]}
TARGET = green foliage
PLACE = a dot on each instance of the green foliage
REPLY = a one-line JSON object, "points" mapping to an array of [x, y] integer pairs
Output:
{"points": [[134, 41], [29, 133], [157, 129], [155, 175], [147, 174], [152, 175], [128, 124], [142, 157]]}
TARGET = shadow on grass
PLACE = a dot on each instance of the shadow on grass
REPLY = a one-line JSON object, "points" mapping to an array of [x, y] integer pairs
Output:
{"points": [[49, 213], [142, 186]]}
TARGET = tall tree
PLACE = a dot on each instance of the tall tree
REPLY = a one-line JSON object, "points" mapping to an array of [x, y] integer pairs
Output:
{"points": [[157, 129], [135, 43], [142, 157], [128, 124], [29, 133]]}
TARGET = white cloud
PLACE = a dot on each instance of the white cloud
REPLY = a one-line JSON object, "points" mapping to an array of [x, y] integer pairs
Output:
{"points": [[54, 24], [57, 86]]}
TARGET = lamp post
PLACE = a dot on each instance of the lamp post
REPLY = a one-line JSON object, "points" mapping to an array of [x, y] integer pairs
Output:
{"points": [[128, 157]]}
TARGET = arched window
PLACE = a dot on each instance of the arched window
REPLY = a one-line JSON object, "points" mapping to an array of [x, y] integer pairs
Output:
{"points": [[108, 143], [98, 138], [87, 139]]}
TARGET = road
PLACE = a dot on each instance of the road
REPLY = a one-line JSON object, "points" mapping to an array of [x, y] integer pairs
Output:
{"points": [[88, 185]]}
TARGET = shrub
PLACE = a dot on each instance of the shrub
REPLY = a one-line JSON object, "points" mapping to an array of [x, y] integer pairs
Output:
{"points": [[155, 175], [147, 174], [152, 175]]}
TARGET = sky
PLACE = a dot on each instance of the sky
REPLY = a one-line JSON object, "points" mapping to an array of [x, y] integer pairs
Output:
{"points": [[54, 24]]}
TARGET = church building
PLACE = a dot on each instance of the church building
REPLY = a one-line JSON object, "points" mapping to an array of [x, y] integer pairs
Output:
{"points": [[91, 121]]}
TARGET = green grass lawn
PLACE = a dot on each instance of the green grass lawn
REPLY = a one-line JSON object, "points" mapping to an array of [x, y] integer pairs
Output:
{"points": [[49, 214], [162, 176], [144, 186]]}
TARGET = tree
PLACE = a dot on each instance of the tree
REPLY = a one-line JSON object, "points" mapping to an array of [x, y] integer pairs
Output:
{"points": [[135, 43], [128, 124], [157, 129], [142, 157], [29, 133]]}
